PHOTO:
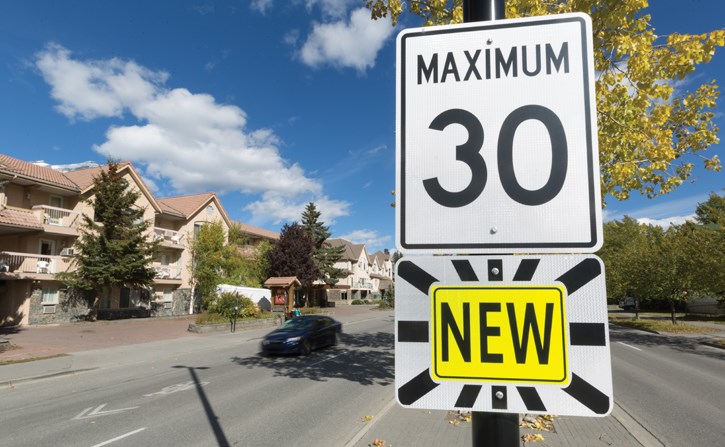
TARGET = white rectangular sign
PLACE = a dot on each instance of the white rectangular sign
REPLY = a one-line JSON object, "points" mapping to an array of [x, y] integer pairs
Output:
{"points": [[497, 138], [510, 334]]}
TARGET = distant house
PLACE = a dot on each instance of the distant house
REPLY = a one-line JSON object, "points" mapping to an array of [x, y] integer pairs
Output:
{"points": [[254, 236], [40, 215], [367, 275]]}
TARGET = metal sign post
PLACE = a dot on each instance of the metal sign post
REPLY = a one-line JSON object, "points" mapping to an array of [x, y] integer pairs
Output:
{"points": [[494, 429]]}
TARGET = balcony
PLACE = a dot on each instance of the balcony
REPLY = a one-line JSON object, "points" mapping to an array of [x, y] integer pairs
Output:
{"points": [[362, 284], [168, 238], [58, 220], [167, 272], [32, 265]]}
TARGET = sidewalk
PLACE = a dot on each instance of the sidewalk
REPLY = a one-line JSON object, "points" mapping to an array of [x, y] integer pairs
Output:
{"points": [[398, 427]]}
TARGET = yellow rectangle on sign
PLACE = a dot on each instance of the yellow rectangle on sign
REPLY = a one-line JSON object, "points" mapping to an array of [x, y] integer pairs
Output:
{"points": [[500, 334]]}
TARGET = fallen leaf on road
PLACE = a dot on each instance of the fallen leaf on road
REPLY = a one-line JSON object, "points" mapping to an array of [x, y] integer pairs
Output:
{"points": [[378, 442], [367, 418], [532, 438]]}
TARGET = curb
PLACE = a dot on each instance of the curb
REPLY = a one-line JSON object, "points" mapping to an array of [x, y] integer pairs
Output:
{"points": [[226, 327], [10, 383], [363, 431], [637, 430], [712, 345]]}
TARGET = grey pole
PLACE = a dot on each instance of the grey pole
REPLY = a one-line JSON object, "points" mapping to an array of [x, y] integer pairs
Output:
{"points": [[491, 429]]}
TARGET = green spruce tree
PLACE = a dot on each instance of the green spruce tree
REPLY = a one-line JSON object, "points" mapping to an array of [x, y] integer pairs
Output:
{"points": [[324, 255], [114, 249]]}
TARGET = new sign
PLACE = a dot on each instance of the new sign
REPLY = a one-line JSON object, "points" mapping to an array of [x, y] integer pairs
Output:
{"points": [[497, 139], [513, 334]]}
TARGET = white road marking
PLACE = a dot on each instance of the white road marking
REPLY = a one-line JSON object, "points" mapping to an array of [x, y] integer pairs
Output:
{"points": [[120, 437], [629, 346], [329, 358], [175, 388], [91, 412]]}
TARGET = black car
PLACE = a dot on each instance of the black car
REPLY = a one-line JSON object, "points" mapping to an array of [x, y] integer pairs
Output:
{"points": [[301, 335]]}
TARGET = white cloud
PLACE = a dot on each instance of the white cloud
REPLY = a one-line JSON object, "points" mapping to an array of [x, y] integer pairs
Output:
{"points": [[94, 89], [261, 6], [183, 138], [332, 8], [351, 44], [666, 222], [282, 209], [372, 240]]}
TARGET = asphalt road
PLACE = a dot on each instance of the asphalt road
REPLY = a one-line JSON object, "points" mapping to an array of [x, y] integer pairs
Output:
{"points": [[673, 386], [219, 392], [224, 395]]}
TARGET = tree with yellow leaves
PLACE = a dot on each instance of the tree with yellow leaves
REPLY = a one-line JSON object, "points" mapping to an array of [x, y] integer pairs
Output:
{"points": [[650, 130]]}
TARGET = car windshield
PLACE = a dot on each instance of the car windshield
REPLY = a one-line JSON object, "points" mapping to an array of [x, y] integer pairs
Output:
{"points": [[297, 323]]}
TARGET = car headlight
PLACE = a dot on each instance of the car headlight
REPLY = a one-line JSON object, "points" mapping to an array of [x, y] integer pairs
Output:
{"points": [[265, 342], [293, 339]]}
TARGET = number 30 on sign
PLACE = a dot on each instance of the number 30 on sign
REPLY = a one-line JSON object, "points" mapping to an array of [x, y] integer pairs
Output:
{"points": [[497, 148]]}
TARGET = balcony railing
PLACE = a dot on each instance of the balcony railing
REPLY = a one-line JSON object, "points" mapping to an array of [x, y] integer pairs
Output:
{"points": [[59, 217], [13, 262], [362, 284], [162, 234], [166, 271]]}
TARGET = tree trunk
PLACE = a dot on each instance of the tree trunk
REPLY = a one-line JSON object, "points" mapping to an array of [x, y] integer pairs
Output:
{"points": [[636, 309], [93, 314], [672, 311]]}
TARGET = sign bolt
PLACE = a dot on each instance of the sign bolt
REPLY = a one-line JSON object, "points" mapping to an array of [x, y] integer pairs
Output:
{"points": [[494, 230], [489, 41], [499, 395], [495, 270]]}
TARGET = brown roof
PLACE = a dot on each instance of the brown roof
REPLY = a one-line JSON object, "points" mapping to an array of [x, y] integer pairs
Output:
{"points": [[13, 166], [282, 281], [186, 205], [261, 232], [85, 177], [19, 218], [352, 251], [380, 256]]}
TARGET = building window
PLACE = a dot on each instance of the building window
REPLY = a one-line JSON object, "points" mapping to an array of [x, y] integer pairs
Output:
{"points": [[343, 296], [168, 295], [56, 201], [50, 295], [129, 298], [210, 210], [105, 301]]}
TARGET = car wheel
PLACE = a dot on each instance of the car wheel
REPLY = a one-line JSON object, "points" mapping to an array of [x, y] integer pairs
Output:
{"points": [[334, 339], [305, 348]]}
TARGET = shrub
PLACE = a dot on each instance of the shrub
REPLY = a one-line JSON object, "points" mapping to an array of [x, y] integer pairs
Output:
{"points": [[210, 318], [233, 306], [357, 302]]}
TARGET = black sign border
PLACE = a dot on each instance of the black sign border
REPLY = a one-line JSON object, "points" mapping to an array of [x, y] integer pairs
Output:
{"points": [[513, 246], [564, 381]]}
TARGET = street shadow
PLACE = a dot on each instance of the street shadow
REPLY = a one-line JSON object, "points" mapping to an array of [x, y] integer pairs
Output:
{"points": [[208, 410], [688, 344], [367, 359]]}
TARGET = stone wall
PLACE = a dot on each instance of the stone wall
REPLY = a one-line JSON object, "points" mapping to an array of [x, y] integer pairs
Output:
{"points": [[70, 309], [65, 311], [180, 301]]}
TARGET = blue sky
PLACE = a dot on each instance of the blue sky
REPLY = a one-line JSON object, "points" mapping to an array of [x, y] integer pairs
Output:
{"points": [[270, 103]]}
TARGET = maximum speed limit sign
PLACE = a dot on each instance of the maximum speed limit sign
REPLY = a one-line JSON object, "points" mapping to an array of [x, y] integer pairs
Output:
{"points": [[497, 138]]}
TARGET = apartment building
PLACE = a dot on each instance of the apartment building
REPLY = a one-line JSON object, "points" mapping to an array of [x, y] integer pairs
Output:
{"points": [[40, 216], [367, 275]]}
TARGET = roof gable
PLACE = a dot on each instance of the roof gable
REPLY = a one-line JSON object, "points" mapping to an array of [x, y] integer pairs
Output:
{"points": [[86, 179], [13, 166]]}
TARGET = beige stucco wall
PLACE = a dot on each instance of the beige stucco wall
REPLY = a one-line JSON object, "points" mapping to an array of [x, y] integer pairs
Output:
{"points": [[201, 217]]}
